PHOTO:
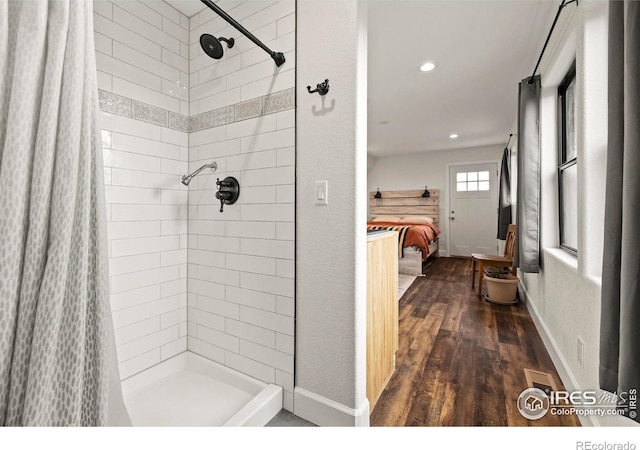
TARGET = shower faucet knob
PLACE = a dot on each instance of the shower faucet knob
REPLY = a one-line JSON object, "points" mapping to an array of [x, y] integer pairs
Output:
{"points": [[223, 195], [228, 191]]}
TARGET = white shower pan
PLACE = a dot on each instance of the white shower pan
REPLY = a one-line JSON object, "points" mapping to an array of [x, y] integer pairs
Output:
{"points": [[189, 390]]}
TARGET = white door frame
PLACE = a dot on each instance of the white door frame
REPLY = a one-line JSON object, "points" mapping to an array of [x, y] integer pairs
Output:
{"points": [[446, 183]]}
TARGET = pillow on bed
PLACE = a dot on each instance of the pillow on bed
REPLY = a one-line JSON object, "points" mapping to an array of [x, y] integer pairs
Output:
{"points": [[417, 219], [386, 219]]}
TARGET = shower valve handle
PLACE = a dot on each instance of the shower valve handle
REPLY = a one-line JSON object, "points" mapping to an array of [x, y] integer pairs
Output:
{"points": [[223, 196], [228, 191]]}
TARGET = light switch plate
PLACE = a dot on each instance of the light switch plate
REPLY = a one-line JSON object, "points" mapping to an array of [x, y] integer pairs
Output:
{"points": [[321, 193]]}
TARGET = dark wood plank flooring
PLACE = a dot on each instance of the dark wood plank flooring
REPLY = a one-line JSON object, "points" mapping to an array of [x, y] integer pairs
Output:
{"points": [[460, 359]]}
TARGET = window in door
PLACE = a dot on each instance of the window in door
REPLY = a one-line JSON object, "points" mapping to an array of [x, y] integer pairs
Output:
{"points": [[472, 181]]}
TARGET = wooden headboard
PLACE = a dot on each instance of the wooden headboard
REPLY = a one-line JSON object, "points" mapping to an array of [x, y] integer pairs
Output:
{"points": [[404, 203]]}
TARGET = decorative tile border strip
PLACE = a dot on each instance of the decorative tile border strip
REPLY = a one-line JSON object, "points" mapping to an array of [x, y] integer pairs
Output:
{"points": [[133, 109], [260, 106]]}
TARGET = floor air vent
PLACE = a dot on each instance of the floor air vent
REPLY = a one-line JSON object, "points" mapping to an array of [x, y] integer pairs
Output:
{"points": [[540, 380]]}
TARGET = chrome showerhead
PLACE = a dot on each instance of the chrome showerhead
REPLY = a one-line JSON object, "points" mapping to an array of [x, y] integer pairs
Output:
{"points": [[212, 46], [186, 179]]}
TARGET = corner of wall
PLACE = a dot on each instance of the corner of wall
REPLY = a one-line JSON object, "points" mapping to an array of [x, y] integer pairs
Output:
{"points": [[327, 413], [241, 280]]}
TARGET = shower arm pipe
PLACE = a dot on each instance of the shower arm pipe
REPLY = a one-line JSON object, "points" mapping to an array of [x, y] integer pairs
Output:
{"points": [[188, 178], [277, 56]]}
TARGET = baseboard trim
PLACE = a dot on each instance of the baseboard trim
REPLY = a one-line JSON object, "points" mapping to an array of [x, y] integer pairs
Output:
{"points": [[569, 381], [327, 413]]}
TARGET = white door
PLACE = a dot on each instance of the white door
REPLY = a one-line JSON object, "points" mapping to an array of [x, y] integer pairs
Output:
{"points": [[473, 209]]}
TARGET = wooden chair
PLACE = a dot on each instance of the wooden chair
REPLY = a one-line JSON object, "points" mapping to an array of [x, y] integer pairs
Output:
{"points": [[506, 260]]}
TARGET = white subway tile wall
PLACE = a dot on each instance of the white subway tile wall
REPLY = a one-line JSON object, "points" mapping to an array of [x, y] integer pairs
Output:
{"points": [[138, 56], [241, 262], [183, 274]]}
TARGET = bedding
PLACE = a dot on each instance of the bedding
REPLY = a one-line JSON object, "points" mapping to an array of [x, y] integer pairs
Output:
{"points": [[410, 234], [386, 219], [416, 219]]}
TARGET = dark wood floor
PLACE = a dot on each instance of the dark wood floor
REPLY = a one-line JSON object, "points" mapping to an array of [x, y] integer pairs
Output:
{"points": [[460, 359]]}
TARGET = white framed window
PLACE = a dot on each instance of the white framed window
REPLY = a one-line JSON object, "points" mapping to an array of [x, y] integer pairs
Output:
{"points": [[472, 181]]}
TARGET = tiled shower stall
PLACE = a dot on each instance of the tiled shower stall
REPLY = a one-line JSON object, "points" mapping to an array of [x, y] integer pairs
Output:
{"points": [[183, 275]]}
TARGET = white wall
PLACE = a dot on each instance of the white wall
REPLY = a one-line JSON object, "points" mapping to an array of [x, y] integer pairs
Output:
{"points": [[141, 51], [241, 262], [564, 298], [371, 162], [414, 171], [331, 240]]}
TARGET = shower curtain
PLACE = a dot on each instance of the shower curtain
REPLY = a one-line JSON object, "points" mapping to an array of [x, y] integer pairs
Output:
{"points": [[55, 327]]}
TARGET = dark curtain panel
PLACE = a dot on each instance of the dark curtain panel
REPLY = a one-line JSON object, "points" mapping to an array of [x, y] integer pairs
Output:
{"points": [[504, 202], [527, 251], [620, 307]]}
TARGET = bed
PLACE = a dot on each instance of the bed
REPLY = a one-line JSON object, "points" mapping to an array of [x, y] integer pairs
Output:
{"points": [[415, 218]]}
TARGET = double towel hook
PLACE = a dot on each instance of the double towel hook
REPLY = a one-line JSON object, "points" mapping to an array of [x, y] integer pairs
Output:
{"points": [[321, 88]]}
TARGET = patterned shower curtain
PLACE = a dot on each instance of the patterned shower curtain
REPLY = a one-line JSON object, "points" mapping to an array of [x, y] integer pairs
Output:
{"points": [[54, 311]]}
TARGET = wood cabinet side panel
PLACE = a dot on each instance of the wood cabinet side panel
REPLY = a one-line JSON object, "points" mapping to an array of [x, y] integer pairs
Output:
{"points": [[382, 314]]}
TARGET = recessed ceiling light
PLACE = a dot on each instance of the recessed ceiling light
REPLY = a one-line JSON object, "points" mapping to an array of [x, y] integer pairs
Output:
{"points": [[384, 122], [453, 136], [427, 67]]}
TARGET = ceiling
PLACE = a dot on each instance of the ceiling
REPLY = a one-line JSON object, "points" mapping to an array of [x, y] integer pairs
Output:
{"points": [[481, 49], [187, 7]]}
